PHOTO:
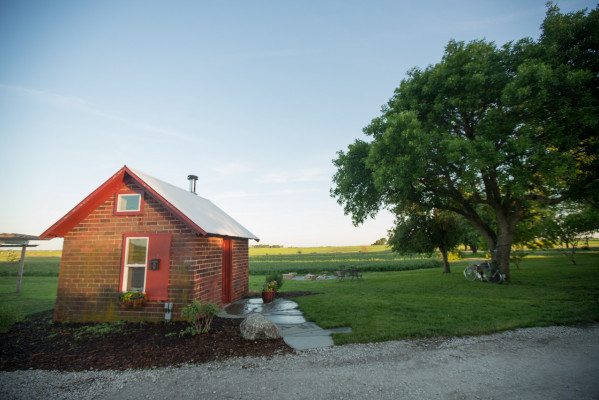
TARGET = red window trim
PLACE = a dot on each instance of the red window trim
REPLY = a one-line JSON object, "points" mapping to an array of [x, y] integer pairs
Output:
{"points": [[116, 203]]}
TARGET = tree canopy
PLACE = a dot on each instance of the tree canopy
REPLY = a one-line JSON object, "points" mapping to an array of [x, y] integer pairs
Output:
{"points": [[489, 133]]}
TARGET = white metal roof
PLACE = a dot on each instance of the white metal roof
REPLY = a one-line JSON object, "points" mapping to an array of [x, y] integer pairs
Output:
{"points": [[199, 210]]}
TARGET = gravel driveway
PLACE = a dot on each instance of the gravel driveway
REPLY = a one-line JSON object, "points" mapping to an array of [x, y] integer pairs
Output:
{"points": [[535, 363]]}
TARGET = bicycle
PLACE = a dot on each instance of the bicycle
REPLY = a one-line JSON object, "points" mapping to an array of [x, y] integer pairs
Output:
{"points": [[483, 271]]}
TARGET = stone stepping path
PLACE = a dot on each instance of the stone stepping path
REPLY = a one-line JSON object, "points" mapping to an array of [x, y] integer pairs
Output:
{"points": [[295, 330]]}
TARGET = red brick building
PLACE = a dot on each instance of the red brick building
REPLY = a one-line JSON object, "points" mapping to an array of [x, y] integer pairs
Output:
{"points": [[136, 232]]}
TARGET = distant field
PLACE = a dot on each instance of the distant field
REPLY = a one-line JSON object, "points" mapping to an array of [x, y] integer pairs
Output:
{"points": [[30, 253], [320, 262], [37, 263], [263, 261], [316, 260], [314, 250]]}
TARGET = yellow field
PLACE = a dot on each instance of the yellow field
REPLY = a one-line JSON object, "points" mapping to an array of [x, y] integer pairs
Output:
{"points": [[315, 250]]}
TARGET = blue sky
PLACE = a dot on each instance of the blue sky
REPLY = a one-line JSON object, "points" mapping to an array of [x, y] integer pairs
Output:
{"points": [[254, 97]]}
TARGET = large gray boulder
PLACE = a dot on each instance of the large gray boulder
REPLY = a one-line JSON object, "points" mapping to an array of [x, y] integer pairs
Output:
{"points": [[257, 326]]}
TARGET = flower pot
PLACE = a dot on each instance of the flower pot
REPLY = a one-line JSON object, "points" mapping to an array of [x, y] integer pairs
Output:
{"points": [[135, 303], [267, 297]]}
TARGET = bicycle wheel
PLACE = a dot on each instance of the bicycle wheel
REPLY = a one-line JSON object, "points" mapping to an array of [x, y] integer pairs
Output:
{"points": [[470, 273], [493, 276]]}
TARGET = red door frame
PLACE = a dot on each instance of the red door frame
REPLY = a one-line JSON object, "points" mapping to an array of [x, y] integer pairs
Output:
{"points": [[159, 247], [227, 271]]}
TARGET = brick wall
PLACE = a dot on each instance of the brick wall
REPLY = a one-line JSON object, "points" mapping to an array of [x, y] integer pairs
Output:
{"points": [[240, 269], [90, 269]]}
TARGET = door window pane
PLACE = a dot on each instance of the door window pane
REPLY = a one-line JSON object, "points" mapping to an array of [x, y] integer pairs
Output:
{"points": [[135, 263], [136, 251], [136, 278]]}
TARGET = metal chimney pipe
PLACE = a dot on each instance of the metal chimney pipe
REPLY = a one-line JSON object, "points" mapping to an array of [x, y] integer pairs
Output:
{"points": [[192, 183]]}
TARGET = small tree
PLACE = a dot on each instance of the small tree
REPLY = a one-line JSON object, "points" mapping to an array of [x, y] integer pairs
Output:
{"points": [[12, 258], [569, 226], [423, 233], [380, 242]]}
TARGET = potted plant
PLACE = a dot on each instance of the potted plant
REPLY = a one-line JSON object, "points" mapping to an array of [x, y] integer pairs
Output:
{"points": [[269, 289], [134, 299]]}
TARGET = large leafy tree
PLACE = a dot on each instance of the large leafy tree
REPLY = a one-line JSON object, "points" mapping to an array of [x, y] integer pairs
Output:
{"points": [[488, 133], [570, 44]]}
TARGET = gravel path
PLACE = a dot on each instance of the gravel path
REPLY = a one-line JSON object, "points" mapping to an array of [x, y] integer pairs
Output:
{"points": [[535, 363]]}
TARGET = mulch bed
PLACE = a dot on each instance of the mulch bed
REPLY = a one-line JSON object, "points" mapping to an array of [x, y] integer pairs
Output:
{"points": [[39, 343]]}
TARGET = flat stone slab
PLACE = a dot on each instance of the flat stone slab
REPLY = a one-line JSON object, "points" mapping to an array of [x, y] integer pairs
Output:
{"points": [[245, 307], [318, 278], [308, 342], [280, 305], [286, 319], [343, 329], [305, 329]]}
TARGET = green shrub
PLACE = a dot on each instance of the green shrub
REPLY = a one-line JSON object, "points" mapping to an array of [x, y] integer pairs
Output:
{"points": [[9, 315], [98, 330], [275, 277], [199, 314]]}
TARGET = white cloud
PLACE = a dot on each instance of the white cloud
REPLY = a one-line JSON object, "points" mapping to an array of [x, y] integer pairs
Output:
{"points": [[269, 194], [304, 175], [81, 105], [232, 169]]}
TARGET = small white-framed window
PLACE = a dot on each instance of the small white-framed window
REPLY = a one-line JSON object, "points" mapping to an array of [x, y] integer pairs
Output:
{"points": [[128, 203], [136, 260]]}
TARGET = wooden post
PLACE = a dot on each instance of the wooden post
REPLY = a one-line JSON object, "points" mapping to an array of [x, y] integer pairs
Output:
{"points": [[21, 267], [18, 240]]}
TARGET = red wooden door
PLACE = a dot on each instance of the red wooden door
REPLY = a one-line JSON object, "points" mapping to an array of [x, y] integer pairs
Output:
{"points": [[227, 271], [157, 280]]}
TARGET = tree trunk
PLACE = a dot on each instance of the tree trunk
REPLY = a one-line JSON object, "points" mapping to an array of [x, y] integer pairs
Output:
{"points": [[446, 269], [500, 239], [500, 246], [506, 228], [501, 259], [571, 254]]}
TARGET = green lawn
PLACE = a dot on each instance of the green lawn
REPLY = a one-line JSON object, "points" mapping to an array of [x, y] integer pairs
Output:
{"points": [[38, 293], [547, 290]]}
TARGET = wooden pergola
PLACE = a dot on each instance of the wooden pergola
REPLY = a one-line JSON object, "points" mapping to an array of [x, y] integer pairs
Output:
{"points": [[22, 241]]}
